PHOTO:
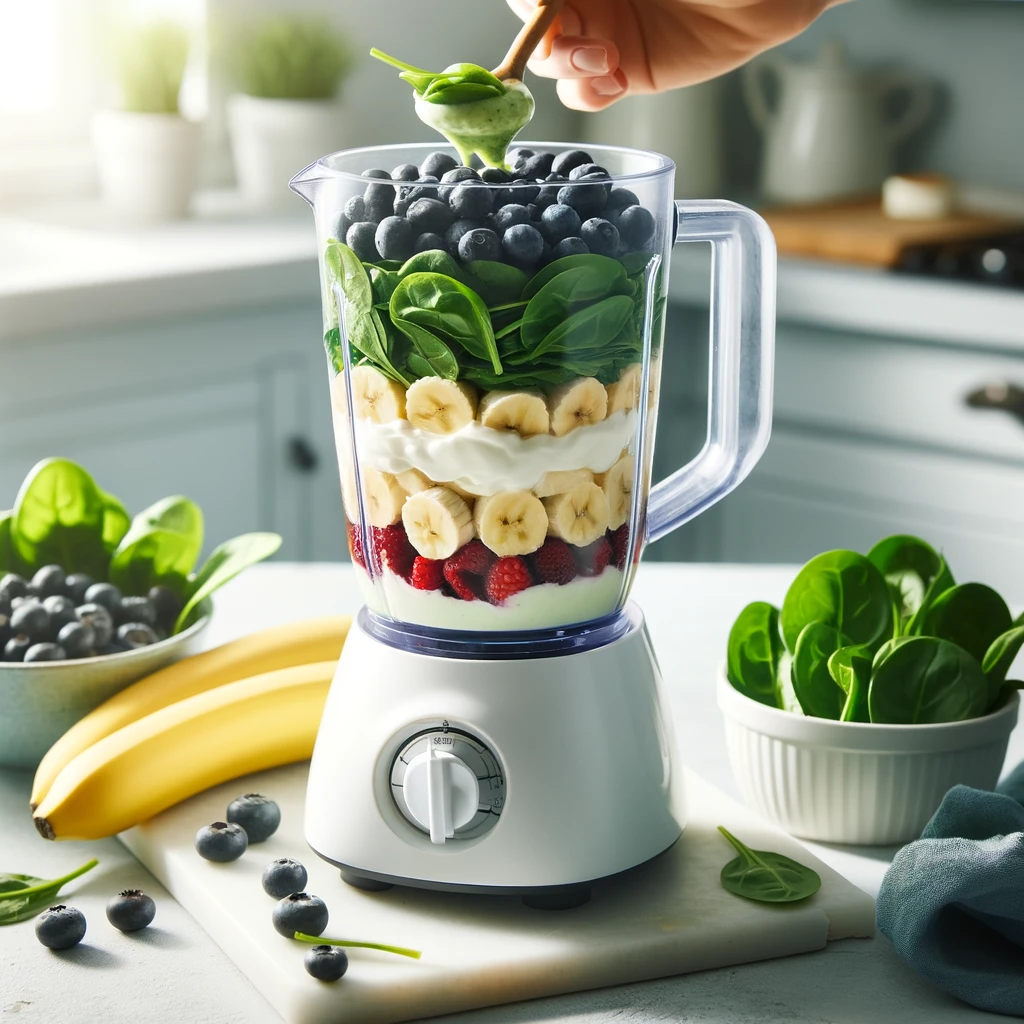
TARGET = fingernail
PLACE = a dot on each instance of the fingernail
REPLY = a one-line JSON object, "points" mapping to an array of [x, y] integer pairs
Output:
{"points": [[606, 86], [593, 60]]}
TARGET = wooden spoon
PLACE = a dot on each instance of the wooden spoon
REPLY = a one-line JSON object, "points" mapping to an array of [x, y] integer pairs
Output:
{"points": [[532, 32]]}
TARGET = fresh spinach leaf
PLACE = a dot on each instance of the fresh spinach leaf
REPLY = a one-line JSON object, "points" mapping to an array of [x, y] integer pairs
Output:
{"points": [[840, 589], [909, 566], [850, 667], [382, 283], [971, 615], [927, 680], [116, 521], [887, 648], [938, 586], [223, 565], [767, 877], [448, 309], [58, 519], [565, 293], [161, 547], [24, 896], [591, 327], [819, 694], [755, 651], [431, 261], [495, 283], [9, 560], [600, 265], [458, 83], [998, 658], [431, 351]]}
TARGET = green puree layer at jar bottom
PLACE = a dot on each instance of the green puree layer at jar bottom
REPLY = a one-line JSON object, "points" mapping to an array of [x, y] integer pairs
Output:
{"points": [[485, 127]]}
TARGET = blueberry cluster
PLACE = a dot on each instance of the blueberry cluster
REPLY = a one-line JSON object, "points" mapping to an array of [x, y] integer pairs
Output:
{"points": [[54, 617], [62, 927], [549, 206]]}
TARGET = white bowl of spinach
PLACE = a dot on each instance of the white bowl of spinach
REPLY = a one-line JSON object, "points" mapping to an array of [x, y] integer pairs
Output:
{"points": [[878, 685], [66, 536]]}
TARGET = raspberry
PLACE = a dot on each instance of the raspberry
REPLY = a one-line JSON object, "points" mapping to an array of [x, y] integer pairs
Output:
{"points": [[427, 573], [391, 547], [466, 569], [553, 562], [355, 544], [620, 545], [508, 576], [594, 558]]}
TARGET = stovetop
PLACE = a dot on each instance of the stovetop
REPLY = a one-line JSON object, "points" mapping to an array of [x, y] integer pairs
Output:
{"points": [[998, 260]]}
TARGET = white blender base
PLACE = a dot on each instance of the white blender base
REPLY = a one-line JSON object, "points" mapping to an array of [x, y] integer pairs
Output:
{"points": [[584, 742]]}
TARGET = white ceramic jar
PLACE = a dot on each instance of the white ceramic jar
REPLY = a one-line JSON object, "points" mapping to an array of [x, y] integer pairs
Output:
{"points": [[848, 782]]}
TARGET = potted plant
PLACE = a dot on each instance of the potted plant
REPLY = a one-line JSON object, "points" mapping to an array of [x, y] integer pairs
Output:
{"points": [[287, 113], [146, 152]]}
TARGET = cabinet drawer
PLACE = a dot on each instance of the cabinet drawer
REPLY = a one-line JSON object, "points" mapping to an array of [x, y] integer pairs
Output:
{"points": [[897, 390]]}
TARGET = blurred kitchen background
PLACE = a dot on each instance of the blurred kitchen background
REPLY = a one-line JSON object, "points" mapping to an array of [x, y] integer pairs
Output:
{"points": [[160, 320]]}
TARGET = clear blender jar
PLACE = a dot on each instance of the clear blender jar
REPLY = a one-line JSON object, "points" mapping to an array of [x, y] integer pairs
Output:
{"points": [[494, 349]]}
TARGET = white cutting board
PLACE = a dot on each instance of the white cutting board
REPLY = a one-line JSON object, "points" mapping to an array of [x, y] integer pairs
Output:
{"points": [[670, 917]]}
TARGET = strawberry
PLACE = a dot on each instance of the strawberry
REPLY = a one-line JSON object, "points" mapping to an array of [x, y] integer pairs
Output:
{"points": [[466, 569], [427, 573], [391, 547], [620, 545], [594, 558], [552, 562], [355, 543], [506, 577]]}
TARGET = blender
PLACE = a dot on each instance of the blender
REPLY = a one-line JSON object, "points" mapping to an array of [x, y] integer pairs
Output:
{"points": [[496, 723]]}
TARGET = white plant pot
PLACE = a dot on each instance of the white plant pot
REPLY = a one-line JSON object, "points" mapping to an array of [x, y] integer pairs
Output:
{"points": [[146, 163], [852, 782], [271, 140]]}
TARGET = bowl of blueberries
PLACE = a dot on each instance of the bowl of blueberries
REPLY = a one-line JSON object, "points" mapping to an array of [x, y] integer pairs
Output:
{"points": [[68, 643]]}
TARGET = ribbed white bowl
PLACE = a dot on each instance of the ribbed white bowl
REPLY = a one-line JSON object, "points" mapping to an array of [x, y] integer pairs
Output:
{"points": [[847, 782]]}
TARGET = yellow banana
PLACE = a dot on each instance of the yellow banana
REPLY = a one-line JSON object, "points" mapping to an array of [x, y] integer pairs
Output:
{"points": [[297, 643], [180, 750]]}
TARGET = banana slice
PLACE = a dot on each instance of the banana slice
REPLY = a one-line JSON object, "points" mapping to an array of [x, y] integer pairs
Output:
{"points": [[617, 485], [578, 403], [525, 412], [560, 481], [439, 405], [349, 494], [511, 522], [624, 394], [413, 481], [383, 497], [339, 394], [579, 516], [467, 496], [375, 397], [437, 521]]}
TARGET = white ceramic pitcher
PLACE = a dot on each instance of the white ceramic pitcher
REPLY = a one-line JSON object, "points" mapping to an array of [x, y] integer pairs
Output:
{"points": [[828, 136]]}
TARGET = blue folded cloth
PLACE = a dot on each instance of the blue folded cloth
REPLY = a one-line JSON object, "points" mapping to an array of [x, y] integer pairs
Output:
{"points": [[953, 901]]}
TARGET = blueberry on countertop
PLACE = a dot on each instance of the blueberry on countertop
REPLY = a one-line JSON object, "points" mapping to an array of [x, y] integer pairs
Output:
{"points": [[636, 226], [438, 163], [105, 594], [77, 639], [325, 963], [300, 912], [31, 619], [136, 609], [46, 652], [101, 621], [258, 815], [394, 238], [166, 604], [565, 162], [601, 236], [360, 239], [283, 876], [523, 244], [47, 581], [61, 610], [12, 586], [136, 634], [559, 221], [16, 647], [479, 244], [60, 927], [221, 842], [570, 247], [76, 585], [427, 241], [405, 172], [131, 910], [429, 215]]}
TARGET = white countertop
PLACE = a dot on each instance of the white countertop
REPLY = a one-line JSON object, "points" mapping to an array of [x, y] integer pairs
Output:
{"points": [[174, 972], [72, 267]]}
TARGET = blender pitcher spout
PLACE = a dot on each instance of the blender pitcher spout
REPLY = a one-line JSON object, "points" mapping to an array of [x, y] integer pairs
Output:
{"points": [[304, 183]]}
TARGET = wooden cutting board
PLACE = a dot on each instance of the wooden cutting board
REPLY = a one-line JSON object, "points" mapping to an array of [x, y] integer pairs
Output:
{"points": [[860, 232], [670, 917]]}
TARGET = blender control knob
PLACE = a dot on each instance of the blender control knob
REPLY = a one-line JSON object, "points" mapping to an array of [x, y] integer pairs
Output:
{"points": [[441, 793]]}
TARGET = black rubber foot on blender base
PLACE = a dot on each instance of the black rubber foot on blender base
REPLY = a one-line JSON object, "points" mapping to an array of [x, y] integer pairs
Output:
{"points": [[364, 883], [565, 899]]}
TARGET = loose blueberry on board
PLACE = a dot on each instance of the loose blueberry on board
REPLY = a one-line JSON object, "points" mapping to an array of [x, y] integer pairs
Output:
{"points": [[360, 239], [136, 609], [636, 226], [523, 244], [105, 594], [565, 162], [60, 927], [166, 604], [480, 244], [283, 876], [325, 963], [16, 647], [77, 639], [394, 238], [76, 585], [221, 842], [32, 620], [437, 164], [300, 912], [136, 634], [559, 221], [48, 580], [131, 910], [45, 652], [570, 247], [101, 621], [61, 610], [258, 815], [427, 241], [405, 172], [12, 586], [601, 236], [429, 215]]}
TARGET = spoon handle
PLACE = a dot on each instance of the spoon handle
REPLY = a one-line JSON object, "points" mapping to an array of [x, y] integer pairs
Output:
{"points": [[532, 32]]}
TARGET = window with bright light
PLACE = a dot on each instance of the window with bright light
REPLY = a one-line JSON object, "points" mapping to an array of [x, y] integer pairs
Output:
{"points": [[28, 56]]}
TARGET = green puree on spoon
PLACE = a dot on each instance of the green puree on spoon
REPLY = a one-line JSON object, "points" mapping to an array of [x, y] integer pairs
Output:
{"points": [[476, 110]]}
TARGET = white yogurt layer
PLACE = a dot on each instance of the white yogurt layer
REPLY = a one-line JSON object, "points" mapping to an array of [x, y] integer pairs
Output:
{"points": [[541, 607], [484, 460]]}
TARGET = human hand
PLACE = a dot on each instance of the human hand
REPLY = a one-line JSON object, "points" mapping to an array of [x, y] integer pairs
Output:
{"points": [[603, 50]]}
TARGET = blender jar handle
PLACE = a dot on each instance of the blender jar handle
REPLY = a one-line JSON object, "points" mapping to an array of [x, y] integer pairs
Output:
{"points": [[741, 360]]}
